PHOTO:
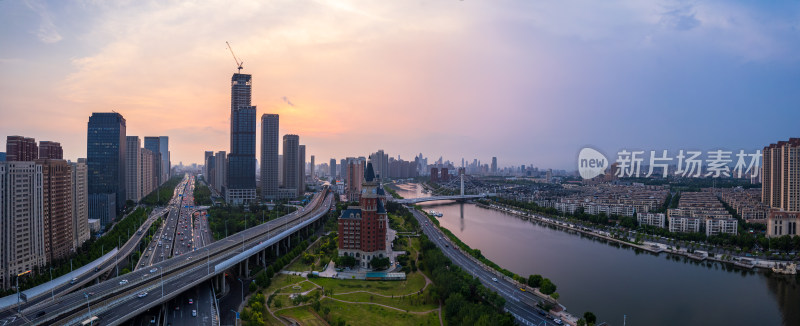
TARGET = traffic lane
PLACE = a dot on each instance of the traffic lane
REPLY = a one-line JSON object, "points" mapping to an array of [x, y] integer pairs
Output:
{"points": [[506, 289]]}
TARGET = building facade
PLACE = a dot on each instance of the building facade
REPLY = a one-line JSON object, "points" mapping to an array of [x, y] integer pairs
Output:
{"points": [[50, 150], [355, 178], [146, 172], [133, 164], [269, 156], [241, 180], [652, 219], [782, 223], [781, 175], [59, 235], [333, 170], [291, 166], [19, 148], [153, 144], [22, 224], [80, 202], [105, 160], [363, 228]]}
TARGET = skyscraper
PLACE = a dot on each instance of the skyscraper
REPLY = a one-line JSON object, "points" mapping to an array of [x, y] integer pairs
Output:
{"points": [[354, 178], [133, 163], [145, 179], [269, 156], [166, 165], [19, 148], [206, 156], [80, 205], [220, 173], [380, 163], [241, 187], [153, 143], [50, 150], [105, 159], [494, 164], [333, 170], [291, 167], [311, 166], [57, 209], [301, 162], [22, 224]]}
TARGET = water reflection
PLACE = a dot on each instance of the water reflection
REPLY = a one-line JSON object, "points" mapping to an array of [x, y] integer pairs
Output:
{"points": [[600, 276]]}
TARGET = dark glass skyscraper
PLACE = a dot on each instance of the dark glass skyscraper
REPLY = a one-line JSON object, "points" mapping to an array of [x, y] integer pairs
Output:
{"points": [[105, 160], [242, 157], [269, 156]]}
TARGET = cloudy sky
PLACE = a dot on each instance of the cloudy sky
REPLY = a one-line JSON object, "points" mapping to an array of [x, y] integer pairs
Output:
{"points": [[530, 82]]}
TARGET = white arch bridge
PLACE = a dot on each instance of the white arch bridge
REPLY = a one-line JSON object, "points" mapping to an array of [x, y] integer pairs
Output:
{"points": [[433, 198]]}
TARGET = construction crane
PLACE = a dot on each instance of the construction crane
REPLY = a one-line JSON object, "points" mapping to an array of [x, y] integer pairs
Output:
{"points": [[238, 63]]}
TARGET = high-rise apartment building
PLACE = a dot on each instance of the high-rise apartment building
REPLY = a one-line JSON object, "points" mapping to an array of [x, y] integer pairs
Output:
{"points": [[146, 172], [291, 166], [363, 228], [57, 209], [105, 159], [301, 162], [332, 168], [241, 183], [354, 178], [781, 175], [380, 162], [269, 156], [133, 164], [206, 156], [19, 148], [50, 150], [166, 164], [280, 171], [22, 223], [494, 164], [80, 202], [780, 187], [220, 173]]}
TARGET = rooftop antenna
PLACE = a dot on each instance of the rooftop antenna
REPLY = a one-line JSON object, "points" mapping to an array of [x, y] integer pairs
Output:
{"points": [[238, 63]]}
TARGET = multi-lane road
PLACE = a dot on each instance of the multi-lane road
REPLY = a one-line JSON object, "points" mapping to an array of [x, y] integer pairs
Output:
{"points": [[518, 302], [123, 297]]}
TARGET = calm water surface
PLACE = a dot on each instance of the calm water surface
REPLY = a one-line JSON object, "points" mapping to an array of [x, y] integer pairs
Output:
{"points": [[613, 281]]}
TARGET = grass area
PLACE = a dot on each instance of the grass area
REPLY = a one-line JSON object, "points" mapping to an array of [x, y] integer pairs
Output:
{"points": [[304, 286], [302, 315], [364, 314], [298, 266], [412, 302], [282, 280], [413, 283]]}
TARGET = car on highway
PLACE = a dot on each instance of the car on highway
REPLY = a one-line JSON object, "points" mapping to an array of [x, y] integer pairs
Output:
{"points": [[73, 281], [123, 282], [194, 313], [190, 301], [558, 321], [522, 289], [494, 279], [142, 294], [153, 270]]}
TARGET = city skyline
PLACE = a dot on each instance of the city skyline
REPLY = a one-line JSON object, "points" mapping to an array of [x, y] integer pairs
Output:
{"points": [[458, 79]]}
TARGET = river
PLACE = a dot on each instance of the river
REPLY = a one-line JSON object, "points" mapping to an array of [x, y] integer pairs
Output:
{"points": [[617, 283]]}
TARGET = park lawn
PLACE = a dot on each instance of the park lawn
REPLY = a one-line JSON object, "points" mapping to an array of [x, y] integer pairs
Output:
{"points": [[282, 280], [413, 283], [409, 303], [366, 314], [302, 315], [304, 286], [400, 224]]}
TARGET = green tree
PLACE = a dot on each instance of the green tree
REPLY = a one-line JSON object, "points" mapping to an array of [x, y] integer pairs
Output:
{"points": [[547, 287], [379, 263], [535, 280], [591, 319]]}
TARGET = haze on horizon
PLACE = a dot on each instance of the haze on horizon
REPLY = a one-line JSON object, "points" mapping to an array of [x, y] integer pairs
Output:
{"points": [[530, 82]]}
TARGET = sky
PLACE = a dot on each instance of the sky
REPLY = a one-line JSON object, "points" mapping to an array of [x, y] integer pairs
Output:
{"points": [[530, 82]]}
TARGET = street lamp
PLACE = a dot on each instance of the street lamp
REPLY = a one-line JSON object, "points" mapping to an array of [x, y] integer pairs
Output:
{"points": [[88, 306], [19, 298], [242, 282]]}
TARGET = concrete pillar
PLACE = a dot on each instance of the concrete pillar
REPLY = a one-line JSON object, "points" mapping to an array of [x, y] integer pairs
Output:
{"points": [[247, 267]]}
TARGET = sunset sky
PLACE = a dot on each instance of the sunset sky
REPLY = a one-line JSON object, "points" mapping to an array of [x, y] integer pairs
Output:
{"points": [[530, 82]]}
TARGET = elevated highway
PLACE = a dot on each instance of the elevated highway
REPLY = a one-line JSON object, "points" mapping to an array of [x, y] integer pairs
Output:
{"points": [[121, 298]]}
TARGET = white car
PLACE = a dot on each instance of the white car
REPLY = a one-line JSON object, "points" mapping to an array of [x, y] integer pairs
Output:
{"points": [[143, 294], [194, 313], [558, 321], [153, 270], [494, 279], [123, 282]]}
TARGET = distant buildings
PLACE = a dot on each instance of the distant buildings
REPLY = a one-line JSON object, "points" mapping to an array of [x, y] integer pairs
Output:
{"points": [[269, 156], [50, 150], [380, 162], [57, 209], [781, 186], [494, 165], [301, 162], [105, 158], [704, 209], [133, 162], [333, 170], [652, 219], [354, 178], [19, 148], [241, 180], [362, 229]]}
